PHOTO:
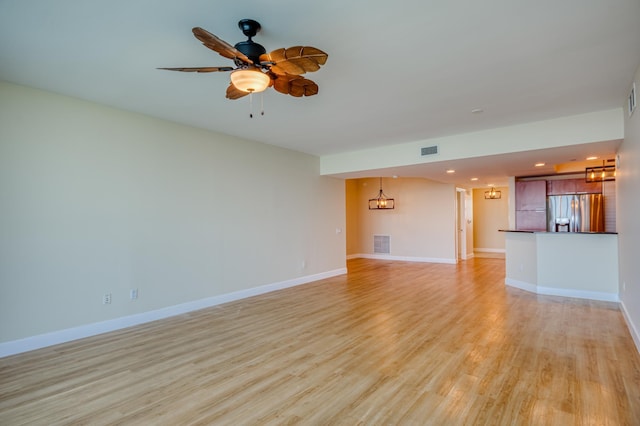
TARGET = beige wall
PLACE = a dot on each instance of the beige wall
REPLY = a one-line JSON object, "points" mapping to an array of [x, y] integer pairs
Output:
{"points": [[628, 214], [489, 216], [421, 227], [96, 200], [352, 204]]}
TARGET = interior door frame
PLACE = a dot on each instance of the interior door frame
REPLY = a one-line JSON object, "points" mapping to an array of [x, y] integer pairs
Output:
{"points": [[461, 225]]}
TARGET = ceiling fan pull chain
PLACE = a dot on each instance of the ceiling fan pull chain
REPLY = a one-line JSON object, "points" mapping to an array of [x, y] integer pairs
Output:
{"points": [[261, 103], [250, 105]]}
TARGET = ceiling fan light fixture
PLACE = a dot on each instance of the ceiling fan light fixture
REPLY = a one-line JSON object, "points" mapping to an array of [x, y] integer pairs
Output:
{"points": [[250, 80]]}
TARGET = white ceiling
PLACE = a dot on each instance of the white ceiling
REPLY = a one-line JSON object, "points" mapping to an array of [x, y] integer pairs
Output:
{"points": [[397, 71]]}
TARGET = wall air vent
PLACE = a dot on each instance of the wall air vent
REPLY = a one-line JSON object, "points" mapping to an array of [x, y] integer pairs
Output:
{"points": [[429, 150], [381, 244]]}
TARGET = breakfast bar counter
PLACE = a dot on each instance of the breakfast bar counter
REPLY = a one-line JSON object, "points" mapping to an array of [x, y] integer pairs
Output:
{"points": [[571, 264]]}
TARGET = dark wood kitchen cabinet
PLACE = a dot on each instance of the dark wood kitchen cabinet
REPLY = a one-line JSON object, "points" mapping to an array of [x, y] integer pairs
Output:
{"points": [[584, 187], [561, 187], [531, 220], [573, 186], [531, 205], [531, 195]]}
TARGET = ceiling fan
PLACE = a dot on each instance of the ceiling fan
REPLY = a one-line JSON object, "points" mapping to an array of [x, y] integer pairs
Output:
{"points": [[256, 70]]}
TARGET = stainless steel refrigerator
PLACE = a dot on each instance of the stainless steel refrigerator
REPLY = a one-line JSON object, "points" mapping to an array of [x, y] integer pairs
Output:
{"points": [[575, 213]]}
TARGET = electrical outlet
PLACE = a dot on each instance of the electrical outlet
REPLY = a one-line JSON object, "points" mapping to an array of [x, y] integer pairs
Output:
{"points": [[106, 299], [133, 294]]}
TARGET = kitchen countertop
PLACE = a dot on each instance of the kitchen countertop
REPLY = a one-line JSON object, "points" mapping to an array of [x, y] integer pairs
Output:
{"points": [[547, 232]]}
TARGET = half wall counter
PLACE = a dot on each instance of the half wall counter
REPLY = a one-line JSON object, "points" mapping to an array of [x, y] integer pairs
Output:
{"points": [[570, 264]]}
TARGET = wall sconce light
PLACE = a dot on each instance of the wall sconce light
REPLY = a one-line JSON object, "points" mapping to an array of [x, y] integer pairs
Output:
{"points": [[492, 194], [600, 173], [382, 202]]}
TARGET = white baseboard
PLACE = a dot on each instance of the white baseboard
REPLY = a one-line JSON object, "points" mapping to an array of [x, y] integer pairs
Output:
{"points": [[88, 330], [489, 250], [522, 285], [552, 291], [579, 294], [401, 258], [632, 327]]}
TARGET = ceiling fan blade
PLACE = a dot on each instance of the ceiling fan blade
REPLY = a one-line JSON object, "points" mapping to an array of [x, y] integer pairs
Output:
{"points": [[218, 45], [199, 69], [295, 60], [294, 85], [233, 93]]}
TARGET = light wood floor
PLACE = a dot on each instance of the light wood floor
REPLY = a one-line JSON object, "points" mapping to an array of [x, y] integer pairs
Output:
{"points": [[390, 343]]}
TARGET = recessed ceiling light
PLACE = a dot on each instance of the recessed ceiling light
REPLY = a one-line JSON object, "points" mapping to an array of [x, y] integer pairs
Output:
{"points": [[540, 164], [474, 179], [593, 157], [477, 110], [490, 185], [451, 171]]}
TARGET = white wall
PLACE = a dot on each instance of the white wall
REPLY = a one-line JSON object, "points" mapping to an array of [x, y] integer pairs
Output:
{"points": [[422, 226], [628, 214], [572, 264], [95, 200], [578, 262], [565, 131], [521, 264]]}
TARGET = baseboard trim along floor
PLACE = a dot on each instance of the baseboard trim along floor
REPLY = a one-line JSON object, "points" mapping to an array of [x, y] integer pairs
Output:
{"points": [[88, 330]]}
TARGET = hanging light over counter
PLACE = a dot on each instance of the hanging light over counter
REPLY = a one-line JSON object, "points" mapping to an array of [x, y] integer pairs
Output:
{"points": [[382, 202], [600, 173]]}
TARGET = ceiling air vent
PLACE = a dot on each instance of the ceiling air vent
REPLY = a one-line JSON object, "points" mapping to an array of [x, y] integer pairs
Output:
{"points": [[429, 150]]}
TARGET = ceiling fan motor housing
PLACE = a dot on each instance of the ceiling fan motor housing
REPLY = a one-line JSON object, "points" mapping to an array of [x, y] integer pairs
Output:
{"points": [[252, 50]]}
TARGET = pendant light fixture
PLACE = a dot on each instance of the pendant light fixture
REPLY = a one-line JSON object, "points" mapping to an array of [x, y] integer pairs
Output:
{"points": [[382, 202], [600, 173], [492, 194]]}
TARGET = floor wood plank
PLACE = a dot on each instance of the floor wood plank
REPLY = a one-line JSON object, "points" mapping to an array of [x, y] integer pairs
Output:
{"points": [[389, 343]]}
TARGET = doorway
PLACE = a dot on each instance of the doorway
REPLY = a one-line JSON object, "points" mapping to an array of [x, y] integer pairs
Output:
{"points": [[463, 223], [461, 238]]}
